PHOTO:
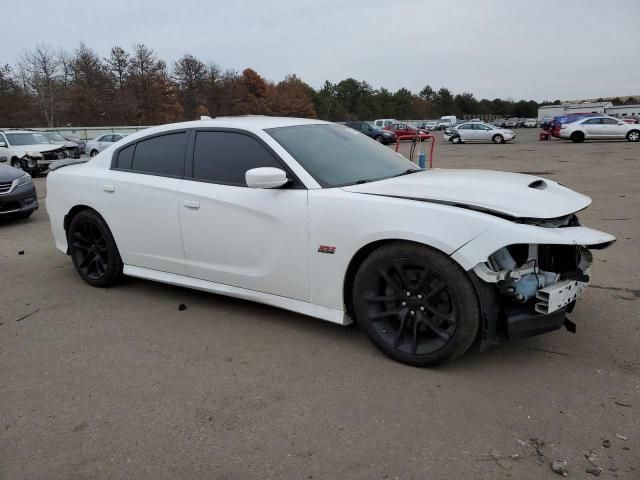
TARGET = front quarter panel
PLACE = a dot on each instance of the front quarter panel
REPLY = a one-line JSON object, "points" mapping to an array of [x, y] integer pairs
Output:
{"points": [[350, 221]]}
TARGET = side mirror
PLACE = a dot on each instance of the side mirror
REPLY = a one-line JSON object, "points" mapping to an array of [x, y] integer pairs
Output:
{"points": [[2, 144], [265, 177]]}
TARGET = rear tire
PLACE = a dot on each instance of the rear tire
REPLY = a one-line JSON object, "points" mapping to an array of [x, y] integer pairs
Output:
{"points": [[577, 137], [93, 250], [415, 304], [497, 139], [633, 135]]}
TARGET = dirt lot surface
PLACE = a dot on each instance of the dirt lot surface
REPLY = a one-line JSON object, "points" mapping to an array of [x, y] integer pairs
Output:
{"points": [[119, 383]]}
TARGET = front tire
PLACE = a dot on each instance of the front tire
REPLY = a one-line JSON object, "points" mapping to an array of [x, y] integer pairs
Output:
{"points": [[379, 139], [633, 135], [93, 250], [15, 163], [93, 153], [497, 139], [577, 137], [415, 304], [456, 139]]}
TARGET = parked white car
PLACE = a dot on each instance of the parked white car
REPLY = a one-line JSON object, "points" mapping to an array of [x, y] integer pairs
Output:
{"points": [[530, 123], [478, 132], [95, 146], [384, 122], [29, 150], [603, 127], [316, 218]]}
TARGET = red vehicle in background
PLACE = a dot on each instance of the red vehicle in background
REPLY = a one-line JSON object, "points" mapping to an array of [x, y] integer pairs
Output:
{"points": [[632, 120], [404, 129], [569, 118]]}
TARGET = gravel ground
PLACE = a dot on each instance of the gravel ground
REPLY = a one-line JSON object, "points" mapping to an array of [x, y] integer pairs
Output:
{"points": [[119, 383]]}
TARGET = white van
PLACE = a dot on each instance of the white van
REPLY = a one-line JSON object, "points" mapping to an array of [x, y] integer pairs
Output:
{"points": [[383, 122], [446, 121]]}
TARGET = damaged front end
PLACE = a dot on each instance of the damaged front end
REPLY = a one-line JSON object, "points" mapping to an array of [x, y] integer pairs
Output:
{"points": [[534, 286]]}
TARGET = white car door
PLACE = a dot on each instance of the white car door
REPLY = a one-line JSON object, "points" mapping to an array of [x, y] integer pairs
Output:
{"points": [[594, 128], [138, 196], [482, 133], [235, 235], [614, 128], [466, 132]]}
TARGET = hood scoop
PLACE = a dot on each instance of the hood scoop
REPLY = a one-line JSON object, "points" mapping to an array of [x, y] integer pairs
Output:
{"points": [[538, 184]]}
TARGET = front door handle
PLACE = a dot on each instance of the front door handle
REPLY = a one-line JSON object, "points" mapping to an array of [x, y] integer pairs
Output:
{"points": [[191, 204], [108, 188]]}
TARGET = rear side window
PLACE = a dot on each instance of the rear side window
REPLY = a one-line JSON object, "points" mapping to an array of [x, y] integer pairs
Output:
{"points": [[162, 155], [125, 157], [224, 157]]}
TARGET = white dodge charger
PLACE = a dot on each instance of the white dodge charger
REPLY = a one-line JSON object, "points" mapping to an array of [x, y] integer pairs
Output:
{"points": [[318, 218]]}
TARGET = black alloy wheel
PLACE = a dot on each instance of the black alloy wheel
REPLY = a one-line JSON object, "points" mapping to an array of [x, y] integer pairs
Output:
{"points": [[415, 304], [93, 250]]}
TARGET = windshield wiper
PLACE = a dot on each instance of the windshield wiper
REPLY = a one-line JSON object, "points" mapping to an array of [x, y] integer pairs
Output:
{"points": [[409, 172]]}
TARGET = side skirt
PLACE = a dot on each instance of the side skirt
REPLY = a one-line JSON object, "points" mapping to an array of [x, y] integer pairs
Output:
{"points": [[324, 313]]}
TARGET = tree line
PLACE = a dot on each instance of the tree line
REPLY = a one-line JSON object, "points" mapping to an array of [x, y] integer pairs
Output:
{"points": [[52, 87]]}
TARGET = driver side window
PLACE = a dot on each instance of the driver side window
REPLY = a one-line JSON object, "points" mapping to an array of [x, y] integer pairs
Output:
{"points": [[225, 157]]}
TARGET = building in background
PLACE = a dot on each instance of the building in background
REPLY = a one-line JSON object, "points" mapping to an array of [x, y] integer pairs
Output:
{"points": [[550, 111], [624, 110]]}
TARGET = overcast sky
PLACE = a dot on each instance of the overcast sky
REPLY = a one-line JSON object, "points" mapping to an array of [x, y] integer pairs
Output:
{"points": [[536, 49]]}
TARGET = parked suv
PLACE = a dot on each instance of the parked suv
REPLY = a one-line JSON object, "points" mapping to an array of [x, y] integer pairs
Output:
{"points": [[602, 127], [383, 136], [31, 151]]}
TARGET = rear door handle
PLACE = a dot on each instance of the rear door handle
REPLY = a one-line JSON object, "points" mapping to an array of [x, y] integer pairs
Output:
{"points": [[191, 204], [109, 188]]}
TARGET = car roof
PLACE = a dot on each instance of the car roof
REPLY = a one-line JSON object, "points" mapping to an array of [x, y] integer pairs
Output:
{"points": [[244, 122]]}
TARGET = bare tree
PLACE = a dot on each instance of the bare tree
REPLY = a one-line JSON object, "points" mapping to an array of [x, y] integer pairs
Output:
{"points": [[43, 76], [190, 75], [118, 64]]}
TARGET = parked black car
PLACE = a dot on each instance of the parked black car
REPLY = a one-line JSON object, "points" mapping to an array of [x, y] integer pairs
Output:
{"points": [[17, 193], [383, 136]]}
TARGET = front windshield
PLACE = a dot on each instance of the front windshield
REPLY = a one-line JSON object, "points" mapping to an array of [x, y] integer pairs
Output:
{"points": [[26, 138], [336, 156], [54, 136]]}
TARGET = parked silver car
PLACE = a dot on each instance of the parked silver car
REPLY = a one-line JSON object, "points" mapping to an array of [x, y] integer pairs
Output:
{"points": [[603, 127], [478, 132], [95, 146]]}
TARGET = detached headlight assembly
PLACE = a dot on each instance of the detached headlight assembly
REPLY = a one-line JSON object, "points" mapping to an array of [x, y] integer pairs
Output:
{"points": [[24, 180]]}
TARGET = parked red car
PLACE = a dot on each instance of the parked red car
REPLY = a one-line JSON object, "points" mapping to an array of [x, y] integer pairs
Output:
{"points": [[632, 120], [404, 129]]}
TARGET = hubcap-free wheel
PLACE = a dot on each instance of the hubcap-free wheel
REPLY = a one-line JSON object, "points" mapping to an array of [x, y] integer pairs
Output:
{"points": [[93, 250], [16, 163], [93, 153], [633, 136], [498, 139], [379, 139], [415, 304], [411, 308]]}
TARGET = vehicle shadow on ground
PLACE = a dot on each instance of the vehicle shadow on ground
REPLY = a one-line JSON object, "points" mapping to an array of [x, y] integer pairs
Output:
{"points": [[350, 337]]}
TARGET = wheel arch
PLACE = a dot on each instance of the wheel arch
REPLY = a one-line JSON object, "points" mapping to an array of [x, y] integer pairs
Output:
{"points": [[359, 257], [71, 214]]}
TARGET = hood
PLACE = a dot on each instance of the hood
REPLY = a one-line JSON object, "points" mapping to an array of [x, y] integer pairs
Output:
{"points": [[66, 143], [511, 194], [40, 147], [9, 174]]}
